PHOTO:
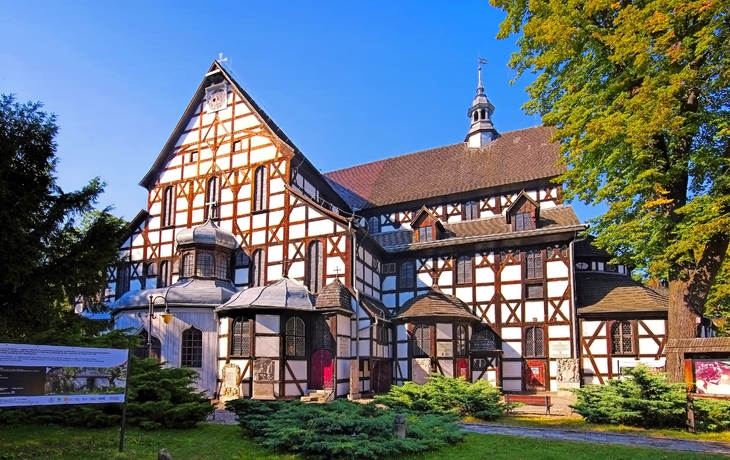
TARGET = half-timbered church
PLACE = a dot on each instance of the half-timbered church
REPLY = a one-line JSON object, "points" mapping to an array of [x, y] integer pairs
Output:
{"points": [[461, 260]]}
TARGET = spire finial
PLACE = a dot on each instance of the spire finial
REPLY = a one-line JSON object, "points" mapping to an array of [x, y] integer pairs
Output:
{"points": [[480, 88]]}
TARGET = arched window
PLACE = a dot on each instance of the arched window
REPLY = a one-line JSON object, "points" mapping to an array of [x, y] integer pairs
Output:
{"points": [[167, 206], [295, 337], [374, 224], [164, 276], [460, 341], [483, 340], [221, 267], [188, 264], [484, 114], [192, 348], [421, 341], [205, 264], [621, 338], [315, 266], [534, 264], [322, 334], [211, 196], [534, 342], [406, 278], [260, 189], [463, 270], [241, 337], [143, 350], [257, 268]]}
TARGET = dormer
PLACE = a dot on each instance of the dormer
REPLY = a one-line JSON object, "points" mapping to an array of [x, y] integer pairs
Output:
{"points": [[523, 213], [205, 251], [426, 226]]}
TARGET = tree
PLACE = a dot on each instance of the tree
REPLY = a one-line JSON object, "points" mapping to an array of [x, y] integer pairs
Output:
{"points": [[53, 246], [638, 92]]}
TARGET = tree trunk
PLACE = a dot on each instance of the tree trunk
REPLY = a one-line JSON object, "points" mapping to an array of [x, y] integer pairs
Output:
{"points": [[688, 291]]}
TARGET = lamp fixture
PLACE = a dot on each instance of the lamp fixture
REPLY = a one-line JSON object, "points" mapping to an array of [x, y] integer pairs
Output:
{"points": [[166, 318]]}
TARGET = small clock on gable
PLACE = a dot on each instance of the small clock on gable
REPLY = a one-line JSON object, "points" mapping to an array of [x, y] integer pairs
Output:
{"points": [[216, 97]]}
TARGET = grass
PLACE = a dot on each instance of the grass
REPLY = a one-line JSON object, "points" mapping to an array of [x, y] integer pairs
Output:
{"points": [[577, 422], [225, 442]]}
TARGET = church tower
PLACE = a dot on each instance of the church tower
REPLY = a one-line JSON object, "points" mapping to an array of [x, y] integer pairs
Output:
{"points": [[482, 130]]}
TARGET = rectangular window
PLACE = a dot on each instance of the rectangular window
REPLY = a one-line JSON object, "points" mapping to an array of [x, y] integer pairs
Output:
{"points": [[193, 156], [523, 221], [534, 291], [388, 269], [236, 146], [471, 210], [425, 234], [463, 270], [406, 280]]}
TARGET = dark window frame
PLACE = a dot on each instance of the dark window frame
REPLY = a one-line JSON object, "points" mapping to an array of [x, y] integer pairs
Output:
{"points": [[260, 189], [471, 210], [460, 342], [315, 266], [425, 234], [191, 348], [534, 265], [407, 275], [464, 269], [534, 341], [212, 195], [295, 338], [625, 344], [523, 221], [142, 351], [257, 268], [168, 206], [240, 337], [421, 341]]}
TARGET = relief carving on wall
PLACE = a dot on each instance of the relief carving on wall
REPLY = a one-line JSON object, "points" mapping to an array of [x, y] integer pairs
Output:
{"points": [[568, 370], [263, 370], [231, 381]]}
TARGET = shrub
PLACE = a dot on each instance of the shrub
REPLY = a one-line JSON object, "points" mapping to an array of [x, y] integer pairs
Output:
{"points": [[643, 399], [441, 395], [341, 429], [712, 415], [158, 397]]}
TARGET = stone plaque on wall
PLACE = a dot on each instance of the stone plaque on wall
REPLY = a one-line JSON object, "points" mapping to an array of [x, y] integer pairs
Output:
{"points": [[263, 379], [568, 371], [231, 377], [559, 348], [444, 349], [421, 369], [344, 347]]}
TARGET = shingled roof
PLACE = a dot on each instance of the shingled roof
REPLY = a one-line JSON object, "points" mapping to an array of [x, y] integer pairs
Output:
{"points": [[552, 220], [585, 249], [602, 293], [515, 157], [334, 295], [435, 304]]}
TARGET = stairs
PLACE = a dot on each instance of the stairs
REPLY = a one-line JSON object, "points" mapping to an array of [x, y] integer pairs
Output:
{"points": [[317, 396]]}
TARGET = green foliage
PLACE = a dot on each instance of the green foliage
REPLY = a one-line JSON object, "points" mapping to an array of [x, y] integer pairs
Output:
{"points": [[47, 255], [341, 429], [639, 95], [647, 400], [442, 395], [642, 399], [158, 397]]}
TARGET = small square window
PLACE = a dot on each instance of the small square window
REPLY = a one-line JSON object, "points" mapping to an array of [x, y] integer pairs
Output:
{"points": [[425, 234], [534, 291], [193, 156], [236, 146]]}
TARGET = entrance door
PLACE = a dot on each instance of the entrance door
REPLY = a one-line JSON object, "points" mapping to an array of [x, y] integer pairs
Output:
{"points": [[381, 376], [322, 370], [462, 369], [535, 375]]}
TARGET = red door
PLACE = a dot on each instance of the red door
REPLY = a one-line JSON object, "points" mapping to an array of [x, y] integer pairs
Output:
{"points": [[462, 369], [535, 375], [322, 370]]}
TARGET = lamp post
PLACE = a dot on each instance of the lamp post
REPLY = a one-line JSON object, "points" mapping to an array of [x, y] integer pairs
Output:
{"points": [[166, 318]]}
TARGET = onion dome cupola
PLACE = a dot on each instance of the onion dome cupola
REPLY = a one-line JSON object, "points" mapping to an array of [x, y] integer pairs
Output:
{"points": [[205, 251], [481, 131]]}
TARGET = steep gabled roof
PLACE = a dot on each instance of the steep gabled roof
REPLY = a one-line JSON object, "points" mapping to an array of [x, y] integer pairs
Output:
{"points": [[151, 176], [515, 157]]}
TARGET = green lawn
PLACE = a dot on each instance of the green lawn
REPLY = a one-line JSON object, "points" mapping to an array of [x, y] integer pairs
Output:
{"points": [[225, 442]]}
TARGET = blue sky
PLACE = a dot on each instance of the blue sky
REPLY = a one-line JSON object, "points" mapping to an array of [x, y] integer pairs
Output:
{"points": [[349, 82]]}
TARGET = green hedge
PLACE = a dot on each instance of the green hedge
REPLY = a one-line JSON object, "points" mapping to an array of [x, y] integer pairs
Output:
{"points": [[442, 395], [341, 429], [645, 399]]}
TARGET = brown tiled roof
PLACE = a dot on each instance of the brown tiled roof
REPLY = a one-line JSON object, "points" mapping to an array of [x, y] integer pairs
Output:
{"points": [[552, 220], [699, 345], [599, 293], [585, 249], [435, 304], [374, 307], [515, 157], [334, 295]]}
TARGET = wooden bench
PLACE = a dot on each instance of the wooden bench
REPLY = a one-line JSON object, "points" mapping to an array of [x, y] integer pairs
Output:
{"points": [[530, 400]]}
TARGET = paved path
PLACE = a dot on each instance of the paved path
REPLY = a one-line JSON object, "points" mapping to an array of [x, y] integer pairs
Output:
{"points": [[228, 418], [607, 438]]}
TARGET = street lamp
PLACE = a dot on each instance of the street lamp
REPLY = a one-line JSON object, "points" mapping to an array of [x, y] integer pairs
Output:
{"points": [[166, 318]]}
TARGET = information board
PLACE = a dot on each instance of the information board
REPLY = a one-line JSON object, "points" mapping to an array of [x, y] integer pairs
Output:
{"points": [[39, 375]]}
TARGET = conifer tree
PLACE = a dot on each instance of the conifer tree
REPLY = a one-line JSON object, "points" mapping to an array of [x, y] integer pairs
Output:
{"points": [[53, 245], [639, 92]]}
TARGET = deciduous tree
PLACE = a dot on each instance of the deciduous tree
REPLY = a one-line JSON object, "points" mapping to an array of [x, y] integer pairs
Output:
{"points": [[639, 93], [52, 246]]}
